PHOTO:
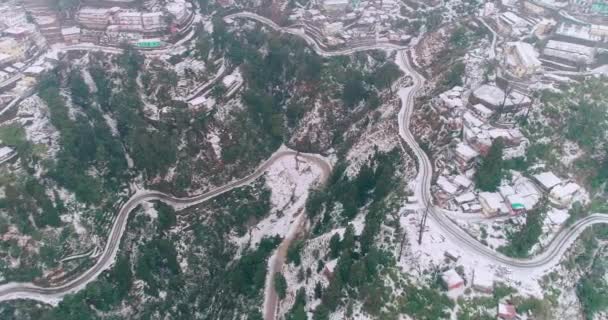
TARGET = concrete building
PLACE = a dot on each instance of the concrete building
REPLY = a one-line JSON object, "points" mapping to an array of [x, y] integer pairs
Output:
{"points": [[11, 16], [335, 6], [71, 35], [495, 98], [506, 311], [492, 203], [447, 186], [128, 21], [522, 59], [153, 22], [576, 32], [465, 198], [465, 155], [482, 111], [599, 30], [562, 195], [95, 18], [452, 279], [547, 180], [570, 52]]}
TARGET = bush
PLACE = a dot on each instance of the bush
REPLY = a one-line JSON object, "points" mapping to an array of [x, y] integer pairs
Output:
{"points": [[280, 285], [489, 174]]}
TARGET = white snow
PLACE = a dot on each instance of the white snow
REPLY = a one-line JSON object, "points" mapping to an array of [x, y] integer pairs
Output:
{"points": [[289, 181]]}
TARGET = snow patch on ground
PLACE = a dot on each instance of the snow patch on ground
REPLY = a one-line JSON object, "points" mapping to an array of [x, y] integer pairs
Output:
{"points": [[430, 255], [289, 181], [34, 116], [214, 138]]}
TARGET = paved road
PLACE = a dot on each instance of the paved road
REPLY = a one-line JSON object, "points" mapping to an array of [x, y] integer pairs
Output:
{"points": [[547, 259], [316, 44], [11, 291], [277, 260]]}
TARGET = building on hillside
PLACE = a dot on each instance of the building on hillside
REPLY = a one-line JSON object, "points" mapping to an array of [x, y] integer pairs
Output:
{"points": [[570, 52], [452, 279], [506, 311], [95, 18], [492, 203], [465, 155], [495, 98], [71, 35], [335, 6], [534, 8], [562, 195], [153, 22], [452, 98], [128, 21], [11, 16], [522, 59], [447, 186], [18, 33], [547, 180], [600, 31], [482, 111], [576, 32]]}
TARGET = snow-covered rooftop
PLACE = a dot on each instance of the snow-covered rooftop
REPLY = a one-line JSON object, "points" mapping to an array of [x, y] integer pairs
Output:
{"points": [[452, 278], [466, 152], [547, 179]]}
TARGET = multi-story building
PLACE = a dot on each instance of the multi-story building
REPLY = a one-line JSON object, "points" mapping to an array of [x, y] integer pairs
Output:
{"points": [[94, 18], [522, 59], [12, 16], [154, 22]]}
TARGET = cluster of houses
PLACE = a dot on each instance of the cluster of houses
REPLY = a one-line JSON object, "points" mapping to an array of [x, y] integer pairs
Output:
{"points": [[555, 39], [454, 189], [113, 25], [342, 22], [455, 283], [20, 42]]}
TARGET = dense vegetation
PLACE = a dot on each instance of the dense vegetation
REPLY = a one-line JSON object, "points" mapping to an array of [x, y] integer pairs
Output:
{"points": [[521, 241], [577, 114], [490, 172]]}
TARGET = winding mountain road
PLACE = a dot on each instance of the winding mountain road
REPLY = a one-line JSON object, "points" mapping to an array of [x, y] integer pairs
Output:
{"points": [[545, 260], [314, 43], [548, 258], [53, 295]]}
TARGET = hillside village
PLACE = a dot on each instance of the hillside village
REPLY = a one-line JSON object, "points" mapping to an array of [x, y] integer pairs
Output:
{"points": [[507, 116]]}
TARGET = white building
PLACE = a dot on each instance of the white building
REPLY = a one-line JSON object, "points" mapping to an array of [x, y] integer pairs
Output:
{"points": [[493, 97], [464, 198], [94, 18], [11, 16], [599, 30], [492, 203], [562, 195], [153, 22], [547, 180], [465, 155], [571, 52], [452, 279], [446, 185], [335, 6], [482, 111], [71, 35], [577, 31], [522, 59]]}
